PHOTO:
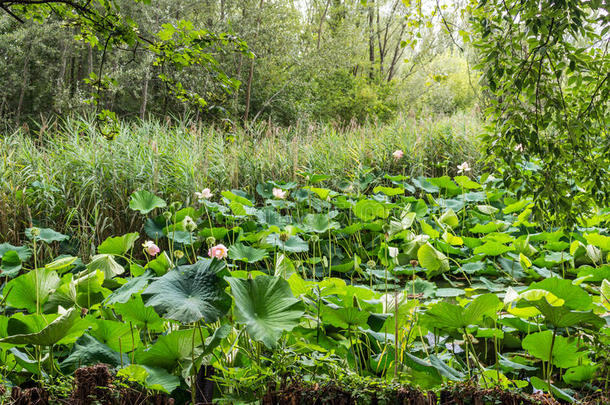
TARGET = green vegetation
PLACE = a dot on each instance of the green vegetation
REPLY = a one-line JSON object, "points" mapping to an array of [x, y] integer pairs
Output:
{"points": [[425, 281], [72, 179], [314, 201]]}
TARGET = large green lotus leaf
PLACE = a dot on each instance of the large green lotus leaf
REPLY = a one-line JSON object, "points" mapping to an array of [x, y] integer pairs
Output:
{"points": [[88, 351], [266, 306], [446, 315], [127, 290], [247, 254], [49, 335], [270, 217], [10, 264], [141, 316], [449, 218], [46, 235], [580, 374], [601, 241], [432, 260], [389, 191], [543, 385], [574, 296], [294, 244], [344, 317], [85, 290], [190, 293], [118, 245], [61, 263], [145, 201], [23, 252], [152, 378], [118, 336], [21, 292], [368, 210], [565, 351], [161, 264], [172, 349], [107, 264], [491, 248], [319, 223], [562, 317]]}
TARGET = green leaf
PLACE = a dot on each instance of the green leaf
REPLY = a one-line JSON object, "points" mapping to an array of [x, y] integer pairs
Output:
{"points": [[449, 218], [152, 378], [107, 264], [124, 292], [143, 317], [118, 336], [344, 317], [247, 254], [190, 293], [574, 296], [88, 351], [51, 334], [565, 351], [170, 350], [118, 245], [23, 252], [389, 191], [446, 315], [46, 235], [145, 201], [319, 223], [293, 244], [266, 306], [11, 264], [23, 290], [492, 249], [432, 260], [368, 210]]}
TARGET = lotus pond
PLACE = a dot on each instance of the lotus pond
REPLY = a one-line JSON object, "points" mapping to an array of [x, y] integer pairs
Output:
{"points": [[425, 283]]}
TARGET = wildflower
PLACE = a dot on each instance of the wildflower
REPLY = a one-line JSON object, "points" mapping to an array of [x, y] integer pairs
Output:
{"points": [[279, 193], [205, 194], [463, 168], [151, 248], [189, 224], [519, 148], [393, 251], [218, 251], [398, 154]]}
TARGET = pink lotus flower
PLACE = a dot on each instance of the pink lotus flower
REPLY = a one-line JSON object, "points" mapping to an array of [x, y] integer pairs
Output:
{"points": [[279, 193], [218, 251], [151, 248], [205, 194], [398, 154]]}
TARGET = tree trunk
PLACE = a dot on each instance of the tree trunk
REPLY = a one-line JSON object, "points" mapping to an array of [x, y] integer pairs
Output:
{"points": [[320, 25], [251, 72], [371, 11], [24, 82], [144, 95]]}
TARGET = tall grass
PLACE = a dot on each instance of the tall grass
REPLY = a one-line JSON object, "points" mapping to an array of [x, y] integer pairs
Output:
{"points": [[70, 178]]}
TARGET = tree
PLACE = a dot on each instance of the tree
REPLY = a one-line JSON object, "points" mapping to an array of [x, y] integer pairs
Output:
{"points": [[106, 24], [546, 72]]}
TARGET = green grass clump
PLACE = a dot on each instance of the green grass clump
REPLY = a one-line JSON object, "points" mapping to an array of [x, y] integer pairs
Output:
{"points": [[69, 177]]}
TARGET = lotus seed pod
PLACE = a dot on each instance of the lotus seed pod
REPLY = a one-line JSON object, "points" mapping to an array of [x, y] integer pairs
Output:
{"points": [[370, 263], [210, 241], [284, 236], [314, 238], [35, 231], [167, 215], [178, 254]]}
